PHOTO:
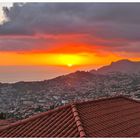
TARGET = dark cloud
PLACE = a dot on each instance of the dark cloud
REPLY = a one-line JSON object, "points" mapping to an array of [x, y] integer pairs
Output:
{"points": [[107, 21], [58, 18]]}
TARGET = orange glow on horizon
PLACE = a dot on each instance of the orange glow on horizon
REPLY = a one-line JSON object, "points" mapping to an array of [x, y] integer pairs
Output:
{"points": [[43, 59], [71, 60], [69, 51]]}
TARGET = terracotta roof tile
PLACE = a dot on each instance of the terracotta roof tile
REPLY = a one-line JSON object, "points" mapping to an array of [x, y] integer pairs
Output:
{"points": [[4, 123], [51, 124], [111, 117]]}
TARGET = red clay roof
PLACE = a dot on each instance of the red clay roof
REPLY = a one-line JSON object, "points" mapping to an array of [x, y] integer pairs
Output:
{"points": [[111, 117], [4, 123]]}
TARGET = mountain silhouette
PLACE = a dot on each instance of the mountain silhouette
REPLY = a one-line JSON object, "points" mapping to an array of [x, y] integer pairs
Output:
{"points": [[122, 66]]}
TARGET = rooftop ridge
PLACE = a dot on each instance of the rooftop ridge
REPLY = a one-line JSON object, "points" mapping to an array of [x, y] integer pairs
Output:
{"points": [[33, 117], [105, 98], [78, 121], [131, 99]]}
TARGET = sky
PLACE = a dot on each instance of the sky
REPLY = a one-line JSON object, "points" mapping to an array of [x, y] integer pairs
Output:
{"points": [[43, 40]]}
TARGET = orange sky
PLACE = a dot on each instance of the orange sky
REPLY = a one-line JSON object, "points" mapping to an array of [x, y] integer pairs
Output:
{"points": [[58, 59], [67, 51]]}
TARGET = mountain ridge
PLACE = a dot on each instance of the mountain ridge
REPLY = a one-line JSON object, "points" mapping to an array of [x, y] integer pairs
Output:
{"points": [[122, 66]]}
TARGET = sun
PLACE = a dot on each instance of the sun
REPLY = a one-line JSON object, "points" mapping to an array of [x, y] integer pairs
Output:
{"points": [[69, 65], [65, 60], [69, 60]]}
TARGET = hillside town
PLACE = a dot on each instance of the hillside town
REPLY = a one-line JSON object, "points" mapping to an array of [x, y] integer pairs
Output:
{"points": [[23, 99]]}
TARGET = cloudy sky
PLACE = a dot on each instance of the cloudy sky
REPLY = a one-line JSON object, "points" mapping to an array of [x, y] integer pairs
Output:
{"points": [[68, 34]]}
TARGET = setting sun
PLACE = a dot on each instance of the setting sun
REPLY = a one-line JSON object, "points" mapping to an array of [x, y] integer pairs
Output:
{"points": [[70, 59], [69, 65]]}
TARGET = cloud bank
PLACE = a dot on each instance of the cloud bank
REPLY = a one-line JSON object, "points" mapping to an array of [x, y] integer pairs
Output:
{"points": [[113, 27]]}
